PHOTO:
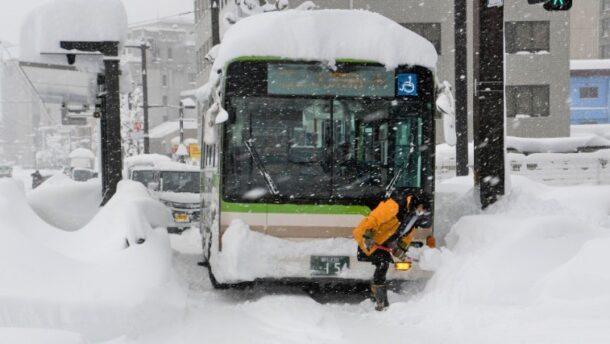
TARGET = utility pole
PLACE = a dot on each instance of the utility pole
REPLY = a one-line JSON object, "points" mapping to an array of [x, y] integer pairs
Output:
{"points": [[489, 152], [461, 88], [143, 47], [215, 22]]}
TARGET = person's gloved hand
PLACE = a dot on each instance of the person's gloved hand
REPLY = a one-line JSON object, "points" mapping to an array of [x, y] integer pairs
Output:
{"points": [[400, 251]]}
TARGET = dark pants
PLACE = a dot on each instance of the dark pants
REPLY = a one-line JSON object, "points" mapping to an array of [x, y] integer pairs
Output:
{"points": [[382, 260]]}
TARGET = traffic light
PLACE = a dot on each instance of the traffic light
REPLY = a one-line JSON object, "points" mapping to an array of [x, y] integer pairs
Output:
{"points": [[558, 5], [553, 5]]}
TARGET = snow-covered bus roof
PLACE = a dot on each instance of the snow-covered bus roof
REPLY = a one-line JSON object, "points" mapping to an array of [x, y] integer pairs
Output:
{"points": [[326, 35]]}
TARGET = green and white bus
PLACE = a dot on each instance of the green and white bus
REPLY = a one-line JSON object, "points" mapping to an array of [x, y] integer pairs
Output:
{"points": [[306, 150]]}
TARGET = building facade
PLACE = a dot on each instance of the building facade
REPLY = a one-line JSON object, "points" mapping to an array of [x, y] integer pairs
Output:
{"points": [[585, 29], [537, 60], [170, 64], [589, 89]]}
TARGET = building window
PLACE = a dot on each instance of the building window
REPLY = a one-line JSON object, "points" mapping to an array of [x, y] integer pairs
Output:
{"points": [[429, 31], [164, 80], [605, 51], [589, 92], [606, 27], [170, 54], [528, 101], [527, 36], [164, 100]]}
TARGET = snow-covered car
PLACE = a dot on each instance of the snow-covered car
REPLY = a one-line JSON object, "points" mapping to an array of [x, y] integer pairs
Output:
{"points": [[174, 184], [6, 171], [178, 189]]}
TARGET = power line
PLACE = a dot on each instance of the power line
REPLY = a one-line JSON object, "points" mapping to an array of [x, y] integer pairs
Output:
{"points": [[160, 18]]}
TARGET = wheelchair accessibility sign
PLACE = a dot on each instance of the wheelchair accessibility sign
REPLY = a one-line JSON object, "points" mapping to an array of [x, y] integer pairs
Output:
{"points": [[406, 84]]}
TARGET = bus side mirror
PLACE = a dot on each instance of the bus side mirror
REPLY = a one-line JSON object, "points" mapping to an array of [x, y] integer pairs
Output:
{"points": [[445, 104], [222, 116]]}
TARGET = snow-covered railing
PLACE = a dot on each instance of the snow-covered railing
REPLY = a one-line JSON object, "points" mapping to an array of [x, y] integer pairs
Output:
{"points": [[548, 168]]}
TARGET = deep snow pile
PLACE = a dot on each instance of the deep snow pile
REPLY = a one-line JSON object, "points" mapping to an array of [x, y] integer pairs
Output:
{"points": [[532, 268], [326, 35], [97, 281], [65, 203]]}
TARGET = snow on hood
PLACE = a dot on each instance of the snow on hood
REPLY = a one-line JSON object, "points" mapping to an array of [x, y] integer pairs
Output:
{"points": [[179, 197], [326, 35]]}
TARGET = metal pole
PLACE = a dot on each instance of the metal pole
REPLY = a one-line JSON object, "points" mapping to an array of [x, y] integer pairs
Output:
{"points": [[215, 23], [143, 48], [181, 114], [112, 140], [488, 119], [461, 88]]}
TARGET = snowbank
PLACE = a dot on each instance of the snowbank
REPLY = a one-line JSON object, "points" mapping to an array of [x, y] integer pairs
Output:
{"points": [[65, 203], [38, 336], [110, 278], [531, 268], [326, 35]]}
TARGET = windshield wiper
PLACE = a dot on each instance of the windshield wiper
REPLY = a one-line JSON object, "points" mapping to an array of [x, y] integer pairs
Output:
{"points": [[392, 184], [261, 167]]}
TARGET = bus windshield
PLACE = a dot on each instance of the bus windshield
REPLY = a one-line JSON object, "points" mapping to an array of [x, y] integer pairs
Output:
{"points": [[320, 149]]}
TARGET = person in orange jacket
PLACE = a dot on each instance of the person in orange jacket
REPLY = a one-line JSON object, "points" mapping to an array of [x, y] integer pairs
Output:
{"points": [[388, 231]]}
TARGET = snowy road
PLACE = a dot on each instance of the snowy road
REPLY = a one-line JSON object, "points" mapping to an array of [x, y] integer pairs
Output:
{"points": [[267, 313]]}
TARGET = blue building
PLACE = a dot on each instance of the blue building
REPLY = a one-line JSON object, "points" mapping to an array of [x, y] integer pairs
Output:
{"points": [[589, 87]]}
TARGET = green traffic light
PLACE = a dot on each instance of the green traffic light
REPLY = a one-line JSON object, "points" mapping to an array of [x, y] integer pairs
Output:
{"points": [[558, 5]]}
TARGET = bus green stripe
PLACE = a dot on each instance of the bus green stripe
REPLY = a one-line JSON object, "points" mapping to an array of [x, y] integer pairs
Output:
{"points": [[295, 208]]}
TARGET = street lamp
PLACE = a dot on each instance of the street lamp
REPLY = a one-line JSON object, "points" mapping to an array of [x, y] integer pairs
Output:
{"points": [[143, 47]]}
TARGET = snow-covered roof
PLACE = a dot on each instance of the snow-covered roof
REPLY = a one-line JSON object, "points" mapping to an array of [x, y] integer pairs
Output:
{"points": [[326, 35], [81, 153], [70, 20], [167, 128], [175, 166], [145, 160], [589, 64]]}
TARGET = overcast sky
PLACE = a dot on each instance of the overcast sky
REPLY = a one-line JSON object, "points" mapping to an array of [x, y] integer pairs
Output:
{"points": [[13, 13]]}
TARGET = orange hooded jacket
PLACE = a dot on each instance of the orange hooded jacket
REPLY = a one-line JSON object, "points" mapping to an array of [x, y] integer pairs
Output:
{"points": [[383, 223]]}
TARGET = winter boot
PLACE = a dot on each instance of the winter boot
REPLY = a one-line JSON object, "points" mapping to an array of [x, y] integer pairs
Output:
{"points": [[380, 293]]}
